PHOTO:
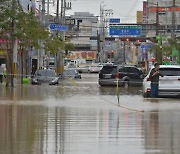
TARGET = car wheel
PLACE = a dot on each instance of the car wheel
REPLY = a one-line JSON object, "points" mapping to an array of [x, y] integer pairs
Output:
{"points": [[126, 84]]}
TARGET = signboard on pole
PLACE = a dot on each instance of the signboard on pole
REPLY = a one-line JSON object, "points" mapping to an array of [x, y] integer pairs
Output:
{"points": [[58, 27], [125, 30], [114, 20], [146, 46]]}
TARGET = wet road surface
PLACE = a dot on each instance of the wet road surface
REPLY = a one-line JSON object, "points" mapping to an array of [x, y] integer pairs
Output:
{"points": [[80, 117]]}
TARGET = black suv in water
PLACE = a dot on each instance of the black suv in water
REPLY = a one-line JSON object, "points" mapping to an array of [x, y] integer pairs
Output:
{"points": [[128, 75]]}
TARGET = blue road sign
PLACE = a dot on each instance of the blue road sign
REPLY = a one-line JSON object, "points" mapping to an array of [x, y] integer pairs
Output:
{"points": [[114, 20], [58, 27], [125, 32], [146, 46]]}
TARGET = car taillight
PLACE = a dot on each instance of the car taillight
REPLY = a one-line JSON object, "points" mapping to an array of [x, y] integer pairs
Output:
{"points": [[117, 75], [179, 79], [148, 79]]}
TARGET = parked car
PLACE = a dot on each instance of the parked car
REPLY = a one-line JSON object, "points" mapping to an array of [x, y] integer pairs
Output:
{"points": [[71, 73], [128, 75], [71, 66], [95, 68], [83, 69], [169, 84], [45, 76]]}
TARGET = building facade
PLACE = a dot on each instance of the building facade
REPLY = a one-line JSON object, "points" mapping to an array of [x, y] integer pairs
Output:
{"points": [[164, 15]]}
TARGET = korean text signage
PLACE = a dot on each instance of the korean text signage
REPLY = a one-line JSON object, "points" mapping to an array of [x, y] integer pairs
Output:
{"points": [[163, 9], [130, 30], [144, 9], [58, 27], [114, 20]]}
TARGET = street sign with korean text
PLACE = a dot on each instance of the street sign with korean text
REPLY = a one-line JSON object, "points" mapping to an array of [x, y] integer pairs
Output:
{"points": [[146, 46], [58, 27], [114, 20], [126, 30]]}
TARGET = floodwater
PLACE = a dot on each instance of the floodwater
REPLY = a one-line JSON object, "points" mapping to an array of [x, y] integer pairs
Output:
{"points": [[79, 117]]}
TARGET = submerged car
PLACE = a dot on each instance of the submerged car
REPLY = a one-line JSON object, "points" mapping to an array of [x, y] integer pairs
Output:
{"points": [[127, 75], [45, 76], [169, 84], [95, 68], [71, 73]]}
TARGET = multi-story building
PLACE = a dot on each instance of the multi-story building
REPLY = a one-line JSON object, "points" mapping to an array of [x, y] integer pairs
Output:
{"points": [[161, 14], [83, 26], [28, 5]]}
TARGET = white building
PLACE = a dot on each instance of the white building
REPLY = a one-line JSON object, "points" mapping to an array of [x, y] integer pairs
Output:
{"points": [[85, 26], [28, 5]]}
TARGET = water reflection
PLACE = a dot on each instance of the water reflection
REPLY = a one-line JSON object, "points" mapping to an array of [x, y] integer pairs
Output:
{"points": [[72, 119], [37, 129]]}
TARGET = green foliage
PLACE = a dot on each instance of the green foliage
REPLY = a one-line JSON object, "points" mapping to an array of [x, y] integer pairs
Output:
{"points": [[53, 44], [70, 47], [29, 30], [15, 23]]}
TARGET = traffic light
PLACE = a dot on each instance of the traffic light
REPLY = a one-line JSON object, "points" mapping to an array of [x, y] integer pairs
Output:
{"points": [[127, 39], [112, 54]]}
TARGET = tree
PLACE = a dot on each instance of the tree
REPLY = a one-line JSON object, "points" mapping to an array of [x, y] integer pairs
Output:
{"points": [[53, 44], [16, 24], [69, 47]]}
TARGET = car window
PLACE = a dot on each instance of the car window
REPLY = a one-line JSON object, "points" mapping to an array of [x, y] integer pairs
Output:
{"points": [[51, 63], [129, 70], [170, 71], [123, 69], [135, 70], [109, 70]]}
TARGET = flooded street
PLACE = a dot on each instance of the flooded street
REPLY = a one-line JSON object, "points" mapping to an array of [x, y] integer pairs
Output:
{"points": [[80, 117]]}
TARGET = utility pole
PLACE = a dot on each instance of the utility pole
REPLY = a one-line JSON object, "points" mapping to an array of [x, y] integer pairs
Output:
{"points": [[98, 46], [11, 65], [124, 52], [173, 21], [57, 12], [157, 19]]}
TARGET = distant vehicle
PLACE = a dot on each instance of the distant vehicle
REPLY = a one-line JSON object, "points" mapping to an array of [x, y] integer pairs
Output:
{"points": [[169, 84], [50, 62], [95, 68], [71, 73], [83, 69], [108, 63], [66, 61], [71, 66], [128, 75], [45, 76]]}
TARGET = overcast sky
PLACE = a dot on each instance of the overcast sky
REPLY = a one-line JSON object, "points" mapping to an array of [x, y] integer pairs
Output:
{"points": [[123, 9]]}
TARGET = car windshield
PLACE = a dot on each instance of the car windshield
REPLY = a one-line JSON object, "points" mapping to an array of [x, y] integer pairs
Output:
{"points": [[69, 72], [170, 71], [109, 69], [50, 73], [47, 73]]}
